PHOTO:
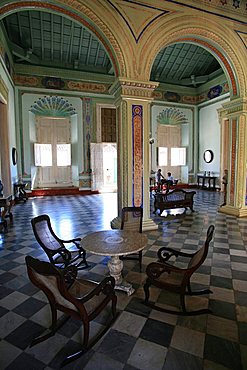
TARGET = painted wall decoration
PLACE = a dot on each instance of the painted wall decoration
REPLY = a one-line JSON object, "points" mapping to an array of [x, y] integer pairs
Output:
{"points": [[53, 106], [214, 92], [171, 116], [87, 131], [172, 96], [85, 86], [26, 80], [137, 154], [233, 160], [57, 83], [53, 82]]}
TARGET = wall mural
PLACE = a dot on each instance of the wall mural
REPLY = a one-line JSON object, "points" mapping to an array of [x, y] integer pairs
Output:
{"points": [[171, 116], [87, 130], [137, 127], [53, 106]]}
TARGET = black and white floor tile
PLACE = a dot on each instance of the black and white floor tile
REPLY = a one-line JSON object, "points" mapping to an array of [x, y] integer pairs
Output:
{"points": [[141, 338]]}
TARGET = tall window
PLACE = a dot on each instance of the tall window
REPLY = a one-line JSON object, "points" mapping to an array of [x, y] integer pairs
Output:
{"points": [[178, 156], [162, 156], [171, 156], [43, 155], [63, 154]]}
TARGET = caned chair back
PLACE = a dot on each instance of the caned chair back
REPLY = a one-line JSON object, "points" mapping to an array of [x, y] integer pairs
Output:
{"points": [[44, 234], [200, 256], [132, 219]]}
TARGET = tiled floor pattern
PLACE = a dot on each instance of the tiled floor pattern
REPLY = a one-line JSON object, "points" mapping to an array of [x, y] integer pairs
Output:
{"points": [[141, 338]]}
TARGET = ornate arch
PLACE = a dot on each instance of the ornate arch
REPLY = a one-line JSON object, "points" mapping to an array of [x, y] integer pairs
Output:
{"points": [[215, 44], [77, 12]]}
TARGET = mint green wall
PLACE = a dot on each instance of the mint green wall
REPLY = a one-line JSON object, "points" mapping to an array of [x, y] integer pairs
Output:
{"points": [[28, 137], [209, 136], [11, 119], [187, 135]]}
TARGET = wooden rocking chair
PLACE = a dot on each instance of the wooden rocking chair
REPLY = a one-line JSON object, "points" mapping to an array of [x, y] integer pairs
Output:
{"points": [[55, 248], [175, 279], [81, 299]]}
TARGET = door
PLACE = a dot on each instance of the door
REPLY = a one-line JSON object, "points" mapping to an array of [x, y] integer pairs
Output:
{"points": [[104, 167], [56, 132]]}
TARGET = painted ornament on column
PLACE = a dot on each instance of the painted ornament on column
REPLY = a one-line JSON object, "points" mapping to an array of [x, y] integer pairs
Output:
{"points": [[137, 128]]}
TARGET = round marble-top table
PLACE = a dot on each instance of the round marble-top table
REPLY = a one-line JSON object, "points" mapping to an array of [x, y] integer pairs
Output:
{"points": [[115, 243]]}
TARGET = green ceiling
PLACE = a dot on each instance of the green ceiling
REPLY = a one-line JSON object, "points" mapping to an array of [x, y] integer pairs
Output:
{"points": [[47, 39]]}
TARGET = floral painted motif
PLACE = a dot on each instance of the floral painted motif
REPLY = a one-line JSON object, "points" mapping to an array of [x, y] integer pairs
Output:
{"points": [[137, 127]]}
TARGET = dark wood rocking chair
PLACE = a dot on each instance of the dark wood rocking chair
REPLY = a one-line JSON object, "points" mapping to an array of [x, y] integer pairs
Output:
{"points": [[176, 279], [54, 247], [81, 299], [131, 219]]}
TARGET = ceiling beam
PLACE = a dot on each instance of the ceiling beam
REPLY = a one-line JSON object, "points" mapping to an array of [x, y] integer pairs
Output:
{"points": [[52, 39], [97, 54], [80, 44], [19, 26], [167, 62], [42, 35], [31, 28], [70, 48], [61, 43], [188, 65], [89, 49]]}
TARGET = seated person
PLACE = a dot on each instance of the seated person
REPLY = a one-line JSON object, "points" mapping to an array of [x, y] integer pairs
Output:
{"points": [[168, 181]]}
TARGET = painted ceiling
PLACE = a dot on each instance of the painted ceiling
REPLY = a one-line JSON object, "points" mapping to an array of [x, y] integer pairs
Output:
{"points": [[48, 39]]}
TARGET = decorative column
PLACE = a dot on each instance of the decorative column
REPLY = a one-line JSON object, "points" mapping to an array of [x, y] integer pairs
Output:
{"points": [[233, 118], [133, 100]]}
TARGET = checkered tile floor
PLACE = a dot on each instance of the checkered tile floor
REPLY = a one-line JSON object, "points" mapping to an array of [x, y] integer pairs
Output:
{"points": [[141, 338]]}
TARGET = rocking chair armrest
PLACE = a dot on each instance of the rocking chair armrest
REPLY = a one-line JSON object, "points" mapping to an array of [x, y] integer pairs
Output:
{"points": [[71, 240], [64, 253], [155, 269], [103, 287], [69, 274], [165, 253]]}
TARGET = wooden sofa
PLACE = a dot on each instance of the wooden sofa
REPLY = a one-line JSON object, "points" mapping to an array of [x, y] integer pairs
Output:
{"points": [[177, 198]]}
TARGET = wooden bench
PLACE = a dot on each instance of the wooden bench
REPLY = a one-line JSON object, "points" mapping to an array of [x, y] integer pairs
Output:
{"points": [[177, 198]]}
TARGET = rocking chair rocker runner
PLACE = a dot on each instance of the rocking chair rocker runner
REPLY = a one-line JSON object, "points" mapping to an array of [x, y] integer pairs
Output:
{"points": [[81, 299], [54, 247], [175, 279]]}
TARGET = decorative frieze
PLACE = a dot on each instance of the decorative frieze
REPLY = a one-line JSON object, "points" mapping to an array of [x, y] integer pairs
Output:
{"points": [[133, 89], [235, 107]]}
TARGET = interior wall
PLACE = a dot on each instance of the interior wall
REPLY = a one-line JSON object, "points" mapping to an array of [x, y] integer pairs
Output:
{"points": [[186, 137], [28, 137], [9, 102], [209, 137]]}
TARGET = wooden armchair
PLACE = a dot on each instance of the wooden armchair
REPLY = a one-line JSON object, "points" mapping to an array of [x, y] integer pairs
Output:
{"points": [[81, 299], [55, 248], [176, 279], [131, 219]]}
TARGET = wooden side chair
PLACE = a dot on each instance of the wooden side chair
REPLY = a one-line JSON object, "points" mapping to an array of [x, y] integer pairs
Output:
{"points": [[175, 279], [81, 299], [61, 253], [131, 219]]}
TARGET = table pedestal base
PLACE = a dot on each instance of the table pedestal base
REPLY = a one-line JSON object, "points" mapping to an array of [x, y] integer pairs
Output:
{"points": [[115, 267], [126, 287]]}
